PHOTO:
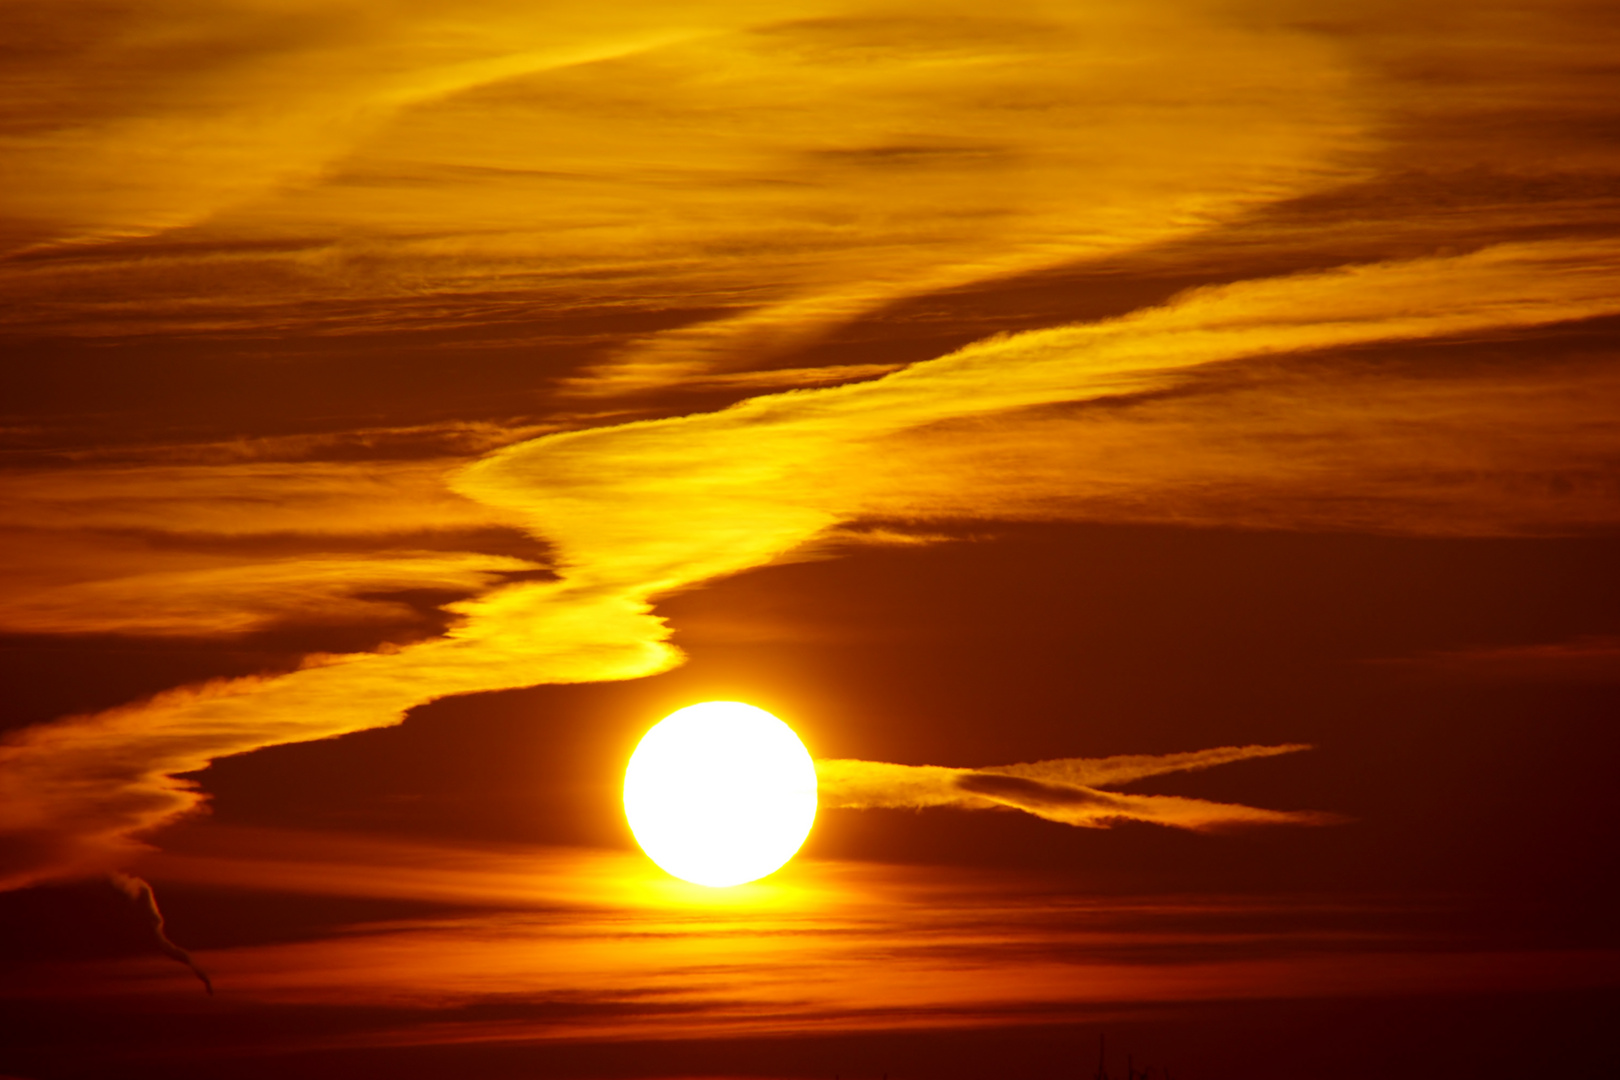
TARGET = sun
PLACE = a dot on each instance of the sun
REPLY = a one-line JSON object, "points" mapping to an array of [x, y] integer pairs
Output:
{"points": [[720, 793]]}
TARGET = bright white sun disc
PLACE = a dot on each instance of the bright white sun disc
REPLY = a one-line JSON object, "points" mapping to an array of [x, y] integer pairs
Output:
{"points": [[720, 793]]}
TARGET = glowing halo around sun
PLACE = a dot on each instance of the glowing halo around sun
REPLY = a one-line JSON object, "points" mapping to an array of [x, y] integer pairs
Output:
{"points": [[720, 793]]}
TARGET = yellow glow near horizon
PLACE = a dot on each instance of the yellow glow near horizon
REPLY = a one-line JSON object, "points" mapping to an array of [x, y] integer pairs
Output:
{"points": [[720, 793]]}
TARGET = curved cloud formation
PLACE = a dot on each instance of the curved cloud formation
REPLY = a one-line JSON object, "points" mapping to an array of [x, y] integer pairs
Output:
{"points": [[220, 104], [781, 170], [737, 185], [638, 510]]}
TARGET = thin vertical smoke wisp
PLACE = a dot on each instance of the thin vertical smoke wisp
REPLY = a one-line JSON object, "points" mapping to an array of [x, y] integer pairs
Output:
{"points": [[140, 893]]}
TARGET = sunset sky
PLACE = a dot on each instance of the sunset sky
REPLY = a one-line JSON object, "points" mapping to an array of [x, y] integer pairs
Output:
{"points": [[1163, 459]]}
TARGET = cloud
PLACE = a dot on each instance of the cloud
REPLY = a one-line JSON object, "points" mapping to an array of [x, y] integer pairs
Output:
{"points": [[237, 596], [291, 166], [784, 377], [74, 793], [1421, 439], [1124, 768], [784, 170], [243, 498], [160, 115], [781, 172], [770, 473], [945, 151], [1591, 659], [1073, 805], [416, 442], [793, 953], [225, 546], [641, 509], [1064, 790]]}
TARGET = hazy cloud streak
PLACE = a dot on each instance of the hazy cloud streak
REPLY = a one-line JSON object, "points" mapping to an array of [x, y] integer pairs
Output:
{"points": [[224, 103], [1064, 790], [241, 596], [631, 953], [791, 170], [646, 508]]}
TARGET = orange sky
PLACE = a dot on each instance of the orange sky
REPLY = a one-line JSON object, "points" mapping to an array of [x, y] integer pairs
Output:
{"points": [[1021, 399]]}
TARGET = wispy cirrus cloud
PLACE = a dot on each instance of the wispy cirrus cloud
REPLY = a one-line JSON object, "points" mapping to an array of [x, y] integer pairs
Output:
{"points": [[219, 545], [1066, 790], [1591, 659], [241, 498], [787, 170], [139, 118], [359, 168], [237, 596], [642, 509]]}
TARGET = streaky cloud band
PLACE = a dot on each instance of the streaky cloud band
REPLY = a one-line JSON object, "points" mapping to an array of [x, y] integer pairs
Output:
{"points": [[1057, 790], [755, 481]]}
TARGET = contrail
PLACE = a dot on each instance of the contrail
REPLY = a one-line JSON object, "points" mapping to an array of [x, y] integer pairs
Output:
{"points": [[141, 893]]}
